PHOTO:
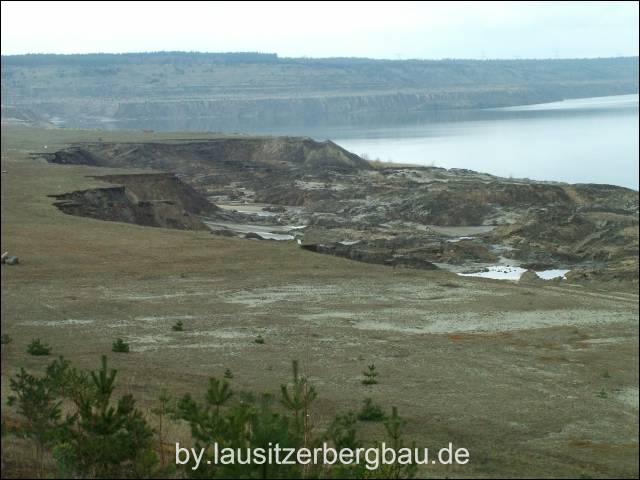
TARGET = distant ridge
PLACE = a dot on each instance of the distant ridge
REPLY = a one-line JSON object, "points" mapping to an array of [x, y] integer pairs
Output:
{"points": [[237, 91]]}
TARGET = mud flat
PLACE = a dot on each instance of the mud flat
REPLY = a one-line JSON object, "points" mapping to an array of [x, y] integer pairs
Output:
{"points": [[509, 272], [265, 232]]}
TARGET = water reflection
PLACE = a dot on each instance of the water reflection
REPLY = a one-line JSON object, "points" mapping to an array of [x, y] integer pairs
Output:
{"points": [[593, 140]]}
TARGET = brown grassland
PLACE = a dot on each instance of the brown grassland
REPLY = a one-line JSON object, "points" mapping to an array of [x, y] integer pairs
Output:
{"points": [[515, 373]]}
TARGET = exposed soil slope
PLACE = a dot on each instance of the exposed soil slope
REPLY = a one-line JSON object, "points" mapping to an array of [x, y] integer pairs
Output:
{"points": [[414, 216], [155, 200]]}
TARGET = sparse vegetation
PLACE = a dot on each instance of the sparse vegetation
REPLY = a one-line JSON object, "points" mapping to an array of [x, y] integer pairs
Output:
{"points": [[102, 437], [120, 346], [38, 348]]}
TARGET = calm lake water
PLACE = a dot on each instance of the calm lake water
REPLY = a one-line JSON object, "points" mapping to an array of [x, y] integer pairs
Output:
{"points": [[592, 140], [589, 140]]}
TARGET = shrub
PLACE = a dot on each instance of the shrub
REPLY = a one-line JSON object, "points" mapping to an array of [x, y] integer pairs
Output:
{"points": [[259, 340], [370, 375], [120, 346], [36, 347], [228, 374], [370, 412], [178, 327], [5, 339]]}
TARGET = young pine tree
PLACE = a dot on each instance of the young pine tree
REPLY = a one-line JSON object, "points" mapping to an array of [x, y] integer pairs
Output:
{"points": [[370, 375], [36, 400], [299, 401], [109, 439]]}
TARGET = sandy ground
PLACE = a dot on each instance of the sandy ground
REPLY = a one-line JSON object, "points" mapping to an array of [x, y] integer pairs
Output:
{"points": [[533, 380]]}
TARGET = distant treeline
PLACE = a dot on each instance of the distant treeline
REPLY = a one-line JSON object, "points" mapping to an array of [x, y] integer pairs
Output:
{"points": [[108, 59]]}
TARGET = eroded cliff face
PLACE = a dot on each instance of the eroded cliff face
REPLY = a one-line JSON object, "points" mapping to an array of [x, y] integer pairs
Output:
{"points": [[338, 109], [154, 200], [409, 216]]}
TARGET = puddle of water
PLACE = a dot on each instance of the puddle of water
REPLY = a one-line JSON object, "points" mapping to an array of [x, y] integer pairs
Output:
{"points": [[505, 272], [456, 240], [462, 231], [551, 274], [258, 213], [274, 236], [267, 232]]}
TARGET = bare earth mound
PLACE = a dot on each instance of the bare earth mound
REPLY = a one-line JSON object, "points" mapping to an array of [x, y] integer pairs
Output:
{"points": [[402, 216]]}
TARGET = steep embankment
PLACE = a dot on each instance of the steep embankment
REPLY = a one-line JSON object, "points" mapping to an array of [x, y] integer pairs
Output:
{"points": [[155, 200]]}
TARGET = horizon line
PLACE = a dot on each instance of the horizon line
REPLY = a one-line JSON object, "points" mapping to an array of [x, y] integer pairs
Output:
{"points": [[277, 56]]}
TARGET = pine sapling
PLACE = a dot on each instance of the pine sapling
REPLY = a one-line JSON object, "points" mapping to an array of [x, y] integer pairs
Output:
{"points": [[120, 346], [178, 327], [299, 402], [370, 412], [370, 375], [38, 348]]}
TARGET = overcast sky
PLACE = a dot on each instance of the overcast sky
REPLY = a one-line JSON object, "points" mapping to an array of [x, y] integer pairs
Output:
{"points": [[327, 29]]}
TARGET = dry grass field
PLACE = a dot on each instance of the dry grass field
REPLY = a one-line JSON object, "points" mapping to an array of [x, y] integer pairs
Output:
{"points": [[534, 380]]}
